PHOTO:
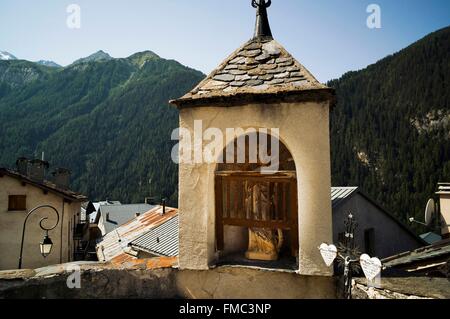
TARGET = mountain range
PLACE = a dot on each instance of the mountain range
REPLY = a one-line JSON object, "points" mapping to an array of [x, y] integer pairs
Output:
{"points": [[109, 121], [106, 119]]}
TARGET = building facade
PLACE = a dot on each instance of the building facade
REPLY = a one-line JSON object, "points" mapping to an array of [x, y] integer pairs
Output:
{"points": [[379, 233], [19, 194]]}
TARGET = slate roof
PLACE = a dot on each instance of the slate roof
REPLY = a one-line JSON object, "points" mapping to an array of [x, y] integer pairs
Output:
{"points": [[114, 245], [429, 254], [161, 240], [120, 214], [260, 66], [45, 185]]}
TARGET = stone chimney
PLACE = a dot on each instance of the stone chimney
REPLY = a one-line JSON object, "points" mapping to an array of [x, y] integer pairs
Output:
{"points": [[444, 204], [22, 165], [36, 169], [61, 177], [163, 204]]}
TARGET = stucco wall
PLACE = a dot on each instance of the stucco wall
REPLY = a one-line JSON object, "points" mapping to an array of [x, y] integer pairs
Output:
{"points": [[11, 224], [390, 237], [304, 129], [445, 212]]}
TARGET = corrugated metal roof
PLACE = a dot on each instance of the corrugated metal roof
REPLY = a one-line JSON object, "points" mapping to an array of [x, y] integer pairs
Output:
{"points": [[444, 188], [114, 245], [340, 194], [161, 240], [120, 214]]}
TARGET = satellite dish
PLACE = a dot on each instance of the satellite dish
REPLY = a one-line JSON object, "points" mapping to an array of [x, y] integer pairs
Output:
{"points": [[429, 211]]}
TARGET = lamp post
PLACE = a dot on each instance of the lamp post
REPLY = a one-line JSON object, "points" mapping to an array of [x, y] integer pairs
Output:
{"points": [[46, 245]]}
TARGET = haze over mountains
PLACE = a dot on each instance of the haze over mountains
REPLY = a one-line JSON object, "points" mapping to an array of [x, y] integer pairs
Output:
{"points": [[109, 121]]}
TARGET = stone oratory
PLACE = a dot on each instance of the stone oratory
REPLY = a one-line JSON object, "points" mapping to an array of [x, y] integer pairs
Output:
{"points": [[232, 212]]}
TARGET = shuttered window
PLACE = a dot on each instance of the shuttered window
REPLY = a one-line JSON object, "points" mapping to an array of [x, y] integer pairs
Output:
{"points": [[17, 202]]}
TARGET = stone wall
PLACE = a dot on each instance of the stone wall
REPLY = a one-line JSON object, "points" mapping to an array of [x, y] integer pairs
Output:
{"points": [[108, 281], [403, 288]]}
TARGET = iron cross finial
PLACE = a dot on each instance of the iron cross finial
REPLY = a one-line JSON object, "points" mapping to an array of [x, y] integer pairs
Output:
{"points": [[262, 28], [257, 3]]}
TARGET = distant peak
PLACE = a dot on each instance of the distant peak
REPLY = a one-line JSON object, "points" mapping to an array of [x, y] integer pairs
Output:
{"points": [[147, 53], [140, 58], [48, 63], [100, 55], [95, 57], [6, 56]]}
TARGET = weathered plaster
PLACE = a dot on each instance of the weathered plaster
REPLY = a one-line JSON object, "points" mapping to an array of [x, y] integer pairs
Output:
{"points": [[11, 224], [304, 129]]}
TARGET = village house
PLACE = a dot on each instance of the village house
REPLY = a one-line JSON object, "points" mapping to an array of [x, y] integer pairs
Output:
{"points": [[379, 233], [24, 189]]}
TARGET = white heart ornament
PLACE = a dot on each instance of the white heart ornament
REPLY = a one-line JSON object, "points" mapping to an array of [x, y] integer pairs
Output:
{"points": [[370, 266], [329, 253]]}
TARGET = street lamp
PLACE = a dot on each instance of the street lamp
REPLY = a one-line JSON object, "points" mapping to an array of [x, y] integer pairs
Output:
{"points": [[46, 245]]}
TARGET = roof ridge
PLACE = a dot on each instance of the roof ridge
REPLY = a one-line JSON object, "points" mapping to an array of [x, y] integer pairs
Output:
{"points": [[45, 184]]}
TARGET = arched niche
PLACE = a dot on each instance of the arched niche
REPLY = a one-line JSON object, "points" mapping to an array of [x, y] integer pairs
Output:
{"points": [[256, 201]]}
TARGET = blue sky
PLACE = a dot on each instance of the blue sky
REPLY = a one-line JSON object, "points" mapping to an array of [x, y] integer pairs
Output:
{"points": [[329, 37]]}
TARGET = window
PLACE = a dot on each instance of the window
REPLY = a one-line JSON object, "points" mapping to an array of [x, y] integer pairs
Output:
{"points": [[341, 238], [369, 241], [17, 202]]}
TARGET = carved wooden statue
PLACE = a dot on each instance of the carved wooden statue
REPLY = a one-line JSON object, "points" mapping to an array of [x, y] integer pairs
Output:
{"points": [[263, 243]]}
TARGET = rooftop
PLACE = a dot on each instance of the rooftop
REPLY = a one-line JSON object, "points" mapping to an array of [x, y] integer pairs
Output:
{"points": [[258, 70], [114, 245], [341, 194], [45, 185], [161, 240], [115, 215], [420, 259], [443, 188]]}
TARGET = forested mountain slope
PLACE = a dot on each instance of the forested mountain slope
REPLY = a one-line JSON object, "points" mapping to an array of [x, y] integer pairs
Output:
{"points": [[108, 120], [391, 129]]}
